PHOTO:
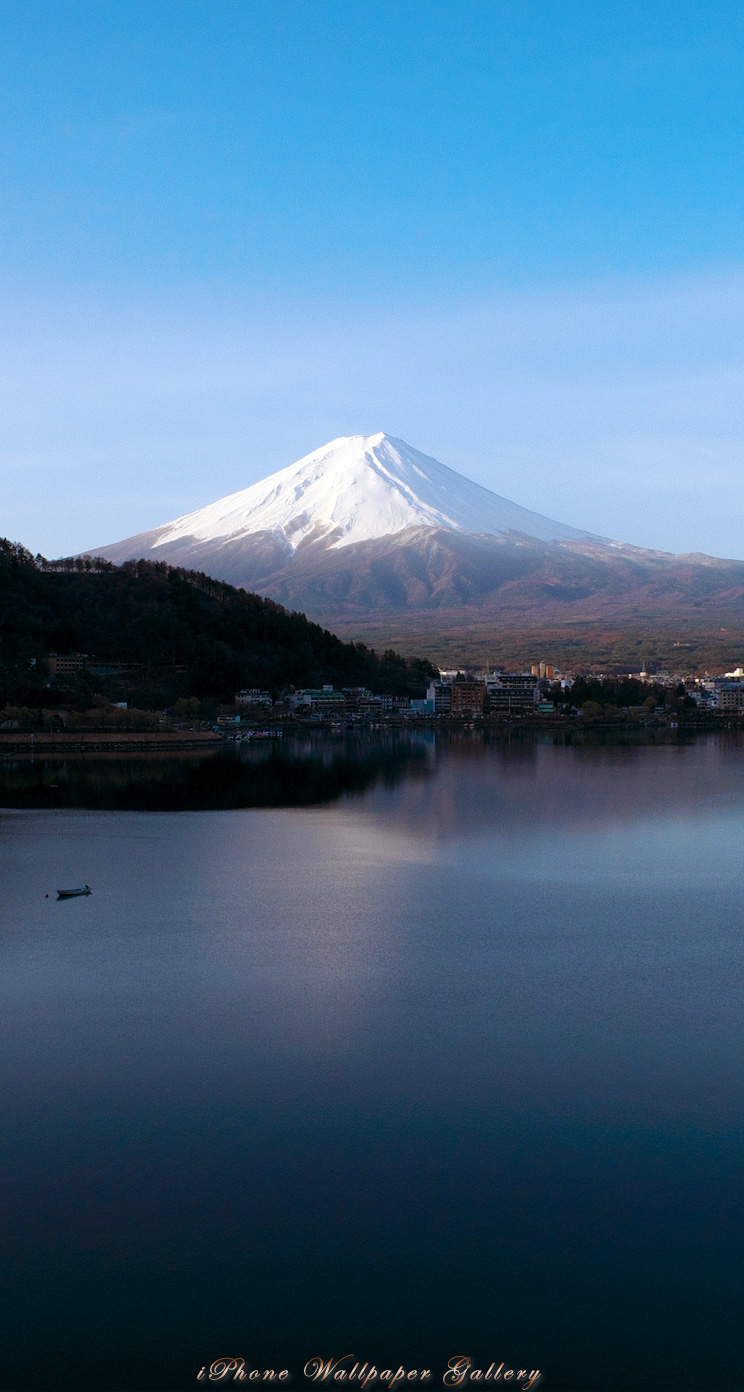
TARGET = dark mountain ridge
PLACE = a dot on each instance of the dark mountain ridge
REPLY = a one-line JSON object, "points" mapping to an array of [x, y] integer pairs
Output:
{"points": [[186, 633]]}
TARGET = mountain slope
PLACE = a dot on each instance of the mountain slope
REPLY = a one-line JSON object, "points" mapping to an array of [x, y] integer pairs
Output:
{"points": [[367, 530], [187, 635], [423, 569]]}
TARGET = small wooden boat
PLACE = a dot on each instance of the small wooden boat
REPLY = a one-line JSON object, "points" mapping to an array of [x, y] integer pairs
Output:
{"points": [[73, 893]]}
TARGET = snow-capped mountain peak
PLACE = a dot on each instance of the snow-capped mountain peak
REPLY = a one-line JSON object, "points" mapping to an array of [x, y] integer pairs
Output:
{"points": [[359, 488], [369, 536]]}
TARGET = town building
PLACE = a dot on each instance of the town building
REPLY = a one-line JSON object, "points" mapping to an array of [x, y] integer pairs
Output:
{"points": [[320, 700], [731, 697], [440, 694], [252, 696], [467, 697], [68, 664], [512, 691]]}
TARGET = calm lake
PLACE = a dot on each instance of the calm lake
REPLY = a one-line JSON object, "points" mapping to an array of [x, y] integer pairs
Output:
{"points": [[404, 1047]]}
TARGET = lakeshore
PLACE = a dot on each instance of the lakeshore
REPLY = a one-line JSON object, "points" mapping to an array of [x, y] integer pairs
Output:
{"points": [[103, 741], [70, 743]]}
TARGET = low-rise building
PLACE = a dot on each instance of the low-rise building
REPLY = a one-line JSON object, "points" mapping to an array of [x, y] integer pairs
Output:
{"points": [[71, 664], [321, 700], [354, 697], [467, 697], [731, 697], [68, 664], [252, 696]]}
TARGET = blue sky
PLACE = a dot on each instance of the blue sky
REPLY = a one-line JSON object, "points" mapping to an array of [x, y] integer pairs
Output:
{"points": [[510, 233]]}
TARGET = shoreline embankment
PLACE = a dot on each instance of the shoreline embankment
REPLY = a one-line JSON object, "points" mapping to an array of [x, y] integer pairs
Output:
{"points": [[106, 741]]}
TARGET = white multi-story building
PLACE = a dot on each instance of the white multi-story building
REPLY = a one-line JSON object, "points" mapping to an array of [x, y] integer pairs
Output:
{"points": [[512, 690], [252, 697]]}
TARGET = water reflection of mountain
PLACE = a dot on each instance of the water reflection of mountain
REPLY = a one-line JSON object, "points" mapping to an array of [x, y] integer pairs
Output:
{"points": [[293, 773], [524, 782], [448, 783]]}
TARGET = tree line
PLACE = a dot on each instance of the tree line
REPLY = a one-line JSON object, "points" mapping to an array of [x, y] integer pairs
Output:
{"points": [[188, 635]]}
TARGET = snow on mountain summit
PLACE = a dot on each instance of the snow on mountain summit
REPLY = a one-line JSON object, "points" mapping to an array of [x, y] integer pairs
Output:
{"points": [[358, 488], [372, 538]]}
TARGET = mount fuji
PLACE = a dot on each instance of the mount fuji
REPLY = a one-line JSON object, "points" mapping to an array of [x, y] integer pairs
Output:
{"points": [[356, 488], [367, 530]]}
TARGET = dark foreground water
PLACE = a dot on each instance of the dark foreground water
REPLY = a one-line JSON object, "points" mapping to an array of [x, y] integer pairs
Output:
{"points": [[449, 1064]]}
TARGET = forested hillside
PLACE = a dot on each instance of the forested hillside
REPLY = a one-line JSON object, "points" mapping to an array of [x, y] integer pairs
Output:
{"points": [[188, 635]]}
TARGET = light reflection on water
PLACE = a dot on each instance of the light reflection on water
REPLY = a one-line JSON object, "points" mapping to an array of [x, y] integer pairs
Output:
{"points": [[450, 1060]]}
